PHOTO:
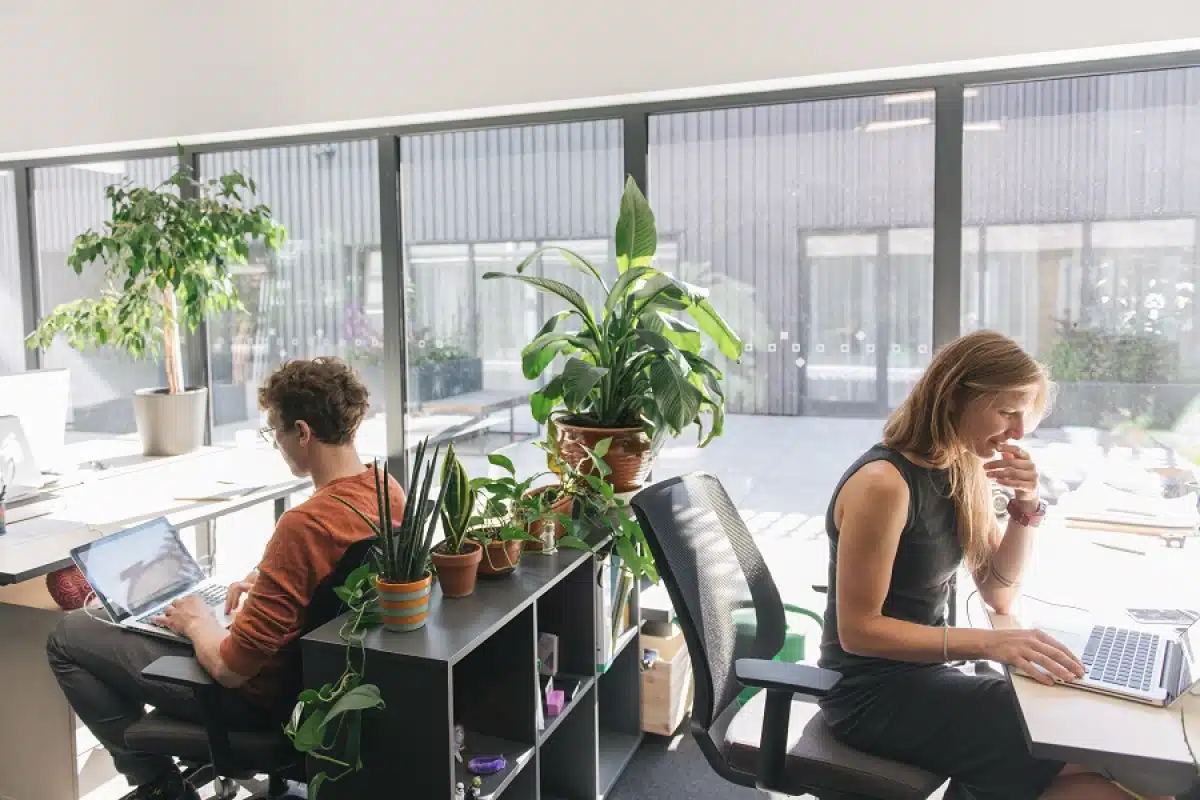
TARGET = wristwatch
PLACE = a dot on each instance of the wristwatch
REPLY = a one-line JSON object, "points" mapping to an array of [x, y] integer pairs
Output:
{"points": [[1022, 517]]}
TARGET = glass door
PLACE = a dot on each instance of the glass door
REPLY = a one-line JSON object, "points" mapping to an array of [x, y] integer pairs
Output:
{"points": [[844, 276]]}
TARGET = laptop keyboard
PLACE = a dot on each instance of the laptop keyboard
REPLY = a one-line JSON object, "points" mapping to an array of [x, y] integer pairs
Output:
{"points": [[1121, 657], [212, 596]]}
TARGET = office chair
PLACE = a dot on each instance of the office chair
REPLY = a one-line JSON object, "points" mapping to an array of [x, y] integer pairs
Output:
{"points": [[778, 741], [210, 752]]}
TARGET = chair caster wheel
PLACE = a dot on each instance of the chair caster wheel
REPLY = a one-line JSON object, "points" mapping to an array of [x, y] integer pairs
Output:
{"points": [[224, 789]]}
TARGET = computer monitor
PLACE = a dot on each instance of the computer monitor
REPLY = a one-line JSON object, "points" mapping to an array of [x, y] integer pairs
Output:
{"points": [[39, 398]]}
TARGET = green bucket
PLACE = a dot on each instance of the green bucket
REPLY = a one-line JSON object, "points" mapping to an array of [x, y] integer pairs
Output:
{"points": [[793, 648]]}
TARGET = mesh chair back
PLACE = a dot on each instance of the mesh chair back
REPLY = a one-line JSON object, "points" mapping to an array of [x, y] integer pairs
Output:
{"points": [[711, 569]]}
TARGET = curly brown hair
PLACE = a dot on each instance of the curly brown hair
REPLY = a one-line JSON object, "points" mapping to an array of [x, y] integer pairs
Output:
{"points": [[324, 392]]}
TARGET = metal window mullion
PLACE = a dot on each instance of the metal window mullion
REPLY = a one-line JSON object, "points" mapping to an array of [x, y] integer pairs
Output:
{"points": [[31, 284], [947, 214], [395, 345]]}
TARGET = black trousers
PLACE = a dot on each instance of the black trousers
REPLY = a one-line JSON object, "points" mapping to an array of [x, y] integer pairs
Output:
{"points": [[99, 667]]}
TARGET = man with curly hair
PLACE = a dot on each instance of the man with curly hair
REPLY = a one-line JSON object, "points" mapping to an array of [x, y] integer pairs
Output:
{"points": [[314, 408]]}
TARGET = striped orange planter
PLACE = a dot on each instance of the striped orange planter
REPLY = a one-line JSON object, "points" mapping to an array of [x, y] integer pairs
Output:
{"points": [[404, 606]]}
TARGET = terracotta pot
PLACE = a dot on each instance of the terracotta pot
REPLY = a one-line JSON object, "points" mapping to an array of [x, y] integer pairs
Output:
{"points": [[539, 529], [630, 455], [500, 558], [404, 606], [456, 572]]}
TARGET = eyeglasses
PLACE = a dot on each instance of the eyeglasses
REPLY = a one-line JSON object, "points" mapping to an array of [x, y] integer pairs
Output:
{"points": [[267, 434]]}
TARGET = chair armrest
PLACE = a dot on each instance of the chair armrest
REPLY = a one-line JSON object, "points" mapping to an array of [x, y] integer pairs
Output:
{"points": [[180, 671], [784, 677]]}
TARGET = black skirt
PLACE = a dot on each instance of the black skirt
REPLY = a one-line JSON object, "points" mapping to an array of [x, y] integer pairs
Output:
{"points": [[966, 727]]}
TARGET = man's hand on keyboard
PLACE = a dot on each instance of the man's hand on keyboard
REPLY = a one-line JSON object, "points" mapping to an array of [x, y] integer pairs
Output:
{"points": [[238, 590], [185, 615]]}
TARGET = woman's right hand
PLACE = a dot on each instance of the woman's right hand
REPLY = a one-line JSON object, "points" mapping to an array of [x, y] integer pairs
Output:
{"points": [[238, 590], [1035, 653]]}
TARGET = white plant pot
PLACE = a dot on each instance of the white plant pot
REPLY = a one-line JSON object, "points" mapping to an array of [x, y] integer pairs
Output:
{"points": [[170, 424]]}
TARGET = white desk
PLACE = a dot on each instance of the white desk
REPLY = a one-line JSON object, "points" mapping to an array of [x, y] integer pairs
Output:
{"points": [[44, 753], [1140, 745]]}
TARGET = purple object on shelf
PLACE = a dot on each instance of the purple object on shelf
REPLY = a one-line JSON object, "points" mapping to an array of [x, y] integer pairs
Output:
{"points": [[486, 765], [555, 700]]}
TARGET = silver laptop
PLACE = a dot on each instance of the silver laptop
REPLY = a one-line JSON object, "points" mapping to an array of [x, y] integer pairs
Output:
{"points": [[137, 572], [18, 469], [1147, 667]]}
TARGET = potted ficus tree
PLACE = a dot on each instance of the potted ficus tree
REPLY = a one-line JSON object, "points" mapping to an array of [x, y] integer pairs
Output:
{"points": [[457, 557], [167, 253], [634, 370]]}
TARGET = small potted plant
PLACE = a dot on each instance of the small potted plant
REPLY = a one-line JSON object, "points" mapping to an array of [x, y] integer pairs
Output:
{"points": [[168, 253], [457, 557], [402, 554], [503, 525]]}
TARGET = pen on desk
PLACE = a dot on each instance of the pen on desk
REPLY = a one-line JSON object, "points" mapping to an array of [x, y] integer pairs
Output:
{"points": [[1120, 549]]}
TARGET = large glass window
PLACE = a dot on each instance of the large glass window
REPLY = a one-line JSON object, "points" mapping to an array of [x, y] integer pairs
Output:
{"points": [[811, 226], [67, 201], [479, 201], [12, 326], [1081, 207], [321, 294]]}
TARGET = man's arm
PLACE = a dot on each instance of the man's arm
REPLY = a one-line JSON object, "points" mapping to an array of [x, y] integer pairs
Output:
{"points": [[192, 618]]}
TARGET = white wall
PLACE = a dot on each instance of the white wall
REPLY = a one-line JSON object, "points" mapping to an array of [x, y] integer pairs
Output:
{"points": [[84, 72]]}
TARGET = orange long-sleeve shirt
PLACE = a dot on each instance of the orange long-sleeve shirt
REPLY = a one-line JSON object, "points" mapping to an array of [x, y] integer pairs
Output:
{"points": [[308, 542]]}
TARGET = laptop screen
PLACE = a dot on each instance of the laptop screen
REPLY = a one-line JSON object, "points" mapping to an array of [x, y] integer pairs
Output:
{"points": [[136, 569]]}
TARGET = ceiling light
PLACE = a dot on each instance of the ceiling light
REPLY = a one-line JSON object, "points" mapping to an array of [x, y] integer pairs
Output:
{"points": [[107, 167], [892, 124], [924, 96], [986, 125]]}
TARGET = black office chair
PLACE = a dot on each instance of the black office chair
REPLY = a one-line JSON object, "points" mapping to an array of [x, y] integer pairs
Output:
{"points": [[777, 741], [210, 752]]}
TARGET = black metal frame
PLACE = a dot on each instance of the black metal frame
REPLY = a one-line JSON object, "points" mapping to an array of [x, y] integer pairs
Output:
{"points": [[948, 218]]}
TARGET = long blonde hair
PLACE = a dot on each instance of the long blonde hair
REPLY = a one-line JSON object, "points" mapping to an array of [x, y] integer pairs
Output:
{"points": [[982, 364]]}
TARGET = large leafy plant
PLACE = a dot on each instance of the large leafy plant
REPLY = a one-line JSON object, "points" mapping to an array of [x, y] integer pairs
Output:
{"points": [[636, 362], [167, 253]]}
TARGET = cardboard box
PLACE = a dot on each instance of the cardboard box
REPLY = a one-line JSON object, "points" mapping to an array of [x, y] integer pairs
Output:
{"points": [[667, 685]]}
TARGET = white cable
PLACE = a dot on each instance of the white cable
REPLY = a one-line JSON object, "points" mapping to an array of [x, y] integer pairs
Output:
{"points": [[105, 619]]}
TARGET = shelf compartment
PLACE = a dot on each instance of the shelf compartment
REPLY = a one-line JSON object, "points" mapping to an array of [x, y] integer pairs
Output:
{"points": [[516, 754], [616, 751], [585, 686]]}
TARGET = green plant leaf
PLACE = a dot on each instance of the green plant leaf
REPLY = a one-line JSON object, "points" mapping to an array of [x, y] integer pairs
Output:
{"points": [[359, 698], [310, 735], [601, 448], [636, 238], [621, 288], [573, 542], [676, 398], [578, 379], [314, 786], [541, 352], [713, 324], [557, 288], [660, 291], [544, 400], [502, 461]]}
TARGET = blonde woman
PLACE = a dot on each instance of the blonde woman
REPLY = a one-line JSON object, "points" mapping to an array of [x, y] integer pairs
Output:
{"points": [[902, 520]]}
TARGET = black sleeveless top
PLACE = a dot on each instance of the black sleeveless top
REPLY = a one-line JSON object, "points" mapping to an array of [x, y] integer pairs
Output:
{"points": [[927, 557]]}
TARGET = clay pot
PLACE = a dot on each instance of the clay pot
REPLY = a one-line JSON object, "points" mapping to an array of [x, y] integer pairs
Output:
{"points": [[630, 455], [539, 528], [456, 572], [500, 558], [404, 606]]}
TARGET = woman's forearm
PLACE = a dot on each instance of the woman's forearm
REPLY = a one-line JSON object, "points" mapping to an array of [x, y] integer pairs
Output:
{"points": [[885, 637], [1001, 583]]}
